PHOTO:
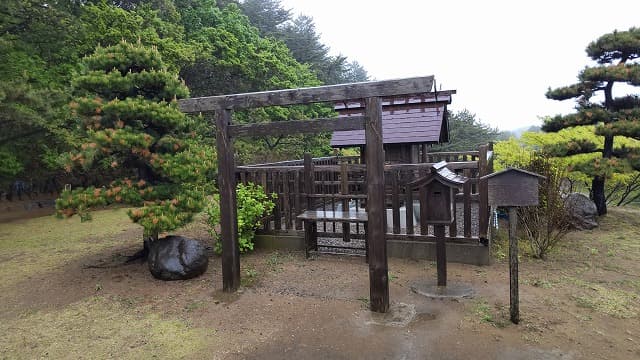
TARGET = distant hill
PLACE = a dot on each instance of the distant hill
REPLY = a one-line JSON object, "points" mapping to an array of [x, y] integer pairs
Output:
{"points": [[518, 132]]}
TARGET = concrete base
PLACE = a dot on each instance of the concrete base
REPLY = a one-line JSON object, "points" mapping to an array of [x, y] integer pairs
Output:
{"points": [[292, 240], [473, 254], [430, 289]]}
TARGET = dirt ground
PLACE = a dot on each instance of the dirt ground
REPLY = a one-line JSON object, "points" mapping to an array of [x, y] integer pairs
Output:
{"points": [[66, 294]]}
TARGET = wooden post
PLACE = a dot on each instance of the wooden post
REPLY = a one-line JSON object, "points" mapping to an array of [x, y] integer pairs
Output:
{"points": [[228, 208], [441, 254], [483, 193], [310, 228], [514, 302], [344, 190], [378, 270]]}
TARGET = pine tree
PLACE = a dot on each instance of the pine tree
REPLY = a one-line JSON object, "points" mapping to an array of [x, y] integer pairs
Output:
{"points": [[616, 54], [136, 134]]}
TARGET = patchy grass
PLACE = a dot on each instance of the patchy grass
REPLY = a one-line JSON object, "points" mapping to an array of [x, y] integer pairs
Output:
{"points": [[483, 312], [43, 244], [99, 328], [614, 302]]}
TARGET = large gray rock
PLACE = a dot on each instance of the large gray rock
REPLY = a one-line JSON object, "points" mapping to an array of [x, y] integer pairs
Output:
{"points": [[582, 211], [177, 258]]}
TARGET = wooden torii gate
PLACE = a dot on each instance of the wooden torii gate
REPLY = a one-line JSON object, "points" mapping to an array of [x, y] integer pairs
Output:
{"points": [[222, 107]]}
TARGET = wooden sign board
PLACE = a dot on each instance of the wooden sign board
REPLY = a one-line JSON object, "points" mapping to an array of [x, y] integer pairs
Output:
{"points": [[512, 187], [439, 203], [439, 187]]}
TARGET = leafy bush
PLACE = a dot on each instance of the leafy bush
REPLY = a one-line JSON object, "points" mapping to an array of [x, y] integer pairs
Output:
{"points": [[546, 224], [253, 205]]}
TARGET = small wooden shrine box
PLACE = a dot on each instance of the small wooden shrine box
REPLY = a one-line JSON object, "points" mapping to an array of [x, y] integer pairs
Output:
{"points": [[513, 187], [439, 188]]}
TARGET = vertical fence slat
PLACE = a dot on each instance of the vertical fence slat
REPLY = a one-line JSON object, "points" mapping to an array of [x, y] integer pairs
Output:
{"points": [[344, 190], [483, 192], [277, 213], [422, 194], [286, 199], [297, 204], [467, 204], [409, 206], [395, 201]]}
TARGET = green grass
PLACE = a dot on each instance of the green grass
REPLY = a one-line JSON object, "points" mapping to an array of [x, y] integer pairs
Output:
{"points": [[99, 328], [43, 244], [484, 313], [614, 302]]}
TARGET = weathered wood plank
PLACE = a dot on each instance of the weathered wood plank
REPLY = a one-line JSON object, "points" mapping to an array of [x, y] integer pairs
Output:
{"points": [[341, 92], [344, 190], [228, 208], [377, 245], [514, 301], [432, 238], [395, 201], [409, 202], [277, 210], [466, 192], [298, 127], [441, 254], [483, 191], [308, 176], [320, 215], [286, 201], [422, 197], [426, 166], [298, 201]]}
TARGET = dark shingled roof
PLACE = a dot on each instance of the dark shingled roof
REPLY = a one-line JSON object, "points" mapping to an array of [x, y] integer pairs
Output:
{"points": [[416, 119]]}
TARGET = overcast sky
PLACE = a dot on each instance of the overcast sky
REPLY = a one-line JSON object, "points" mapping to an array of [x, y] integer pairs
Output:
{"points": [[501, 56]]}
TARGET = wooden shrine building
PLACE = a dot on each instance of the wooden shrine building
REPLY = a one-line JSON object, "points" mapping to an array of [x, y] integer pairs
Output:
{"points": [[410, 123]]}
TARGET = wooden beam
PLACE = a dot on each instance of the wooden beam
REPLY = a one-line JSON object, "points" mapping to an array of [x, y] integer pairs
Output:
{"points": [[298, 127], [228, 212], [377, 245], [308, 95]]}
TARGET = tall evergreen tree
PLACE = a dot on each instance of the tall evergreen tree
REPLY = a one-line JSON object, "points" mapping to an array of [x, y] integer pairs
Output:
{"points": [[615, 54], [467, 132], [136, 134]]}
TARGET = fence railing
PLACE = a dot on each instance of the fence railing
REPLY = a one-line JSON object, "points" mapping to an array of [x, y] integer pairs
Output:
{"points": [[339, 183]]}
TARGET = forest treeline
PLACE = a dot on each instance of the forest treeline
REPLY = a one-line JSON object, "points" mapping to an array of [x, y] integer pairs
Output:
{"points": [[217, 47]]}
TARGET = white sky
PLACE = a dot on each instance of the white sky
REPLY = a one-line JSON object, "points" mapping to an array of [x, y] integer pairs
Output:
{"points": [[501, 56]]}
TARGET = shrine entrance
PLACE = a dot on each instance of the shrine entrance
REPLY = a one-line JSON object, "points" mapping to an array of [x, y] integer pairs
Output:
{"points": [[222, 107]]}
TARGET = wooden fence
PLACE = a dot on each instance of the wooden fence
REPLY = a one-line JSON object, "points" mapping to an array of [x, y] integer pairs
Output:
{"points": [[334, 183]]}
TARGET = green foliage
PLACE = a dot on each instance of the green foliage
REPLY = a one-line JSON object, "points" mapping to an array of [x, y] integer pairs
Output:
{"points": [[546, 224], [301, 38], [616, 54], [138, 136], [510, 153], [212, 44], [9, 164], [567, 149], [253, 205], [466, 132]]}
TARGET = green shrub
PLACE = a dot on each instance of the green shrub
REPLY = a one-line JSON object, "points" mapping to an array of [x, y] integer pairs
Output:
{"points": [[253, 206], [546, 224]]}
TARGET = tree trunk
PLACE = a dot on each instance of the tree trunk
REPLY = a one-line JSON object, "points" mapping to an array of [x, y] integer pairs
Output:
{"points": [[597, 187], [598, 183]]}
